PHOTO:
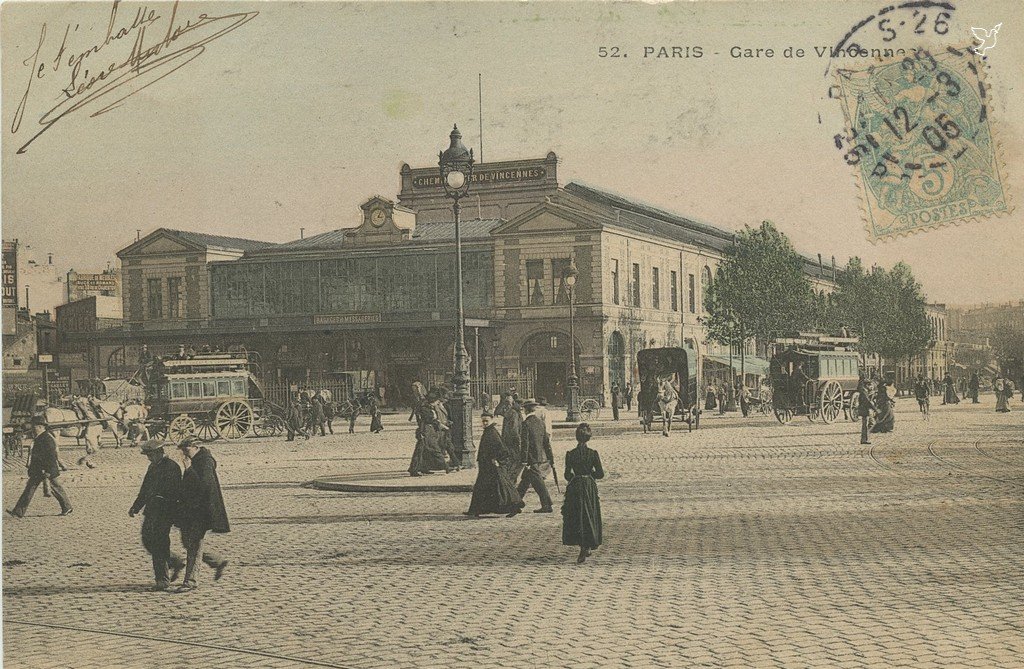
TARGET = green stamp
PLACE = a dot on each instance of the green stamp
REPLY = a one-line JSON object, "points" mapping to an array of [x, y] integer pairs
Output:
{"points": [[919, 137]]}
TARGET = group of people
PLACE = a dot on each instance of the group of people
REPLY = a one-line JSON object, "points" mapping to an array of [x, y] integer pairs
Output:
{"points": [[310, 411], [522, 450], [190, 500]]}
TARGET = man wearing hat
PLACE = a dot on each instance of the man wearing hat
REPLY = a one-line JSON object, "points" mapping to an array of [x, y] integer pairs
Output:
{"points": [[43, 465], [537, 455], [201, 510], [158, 501]]}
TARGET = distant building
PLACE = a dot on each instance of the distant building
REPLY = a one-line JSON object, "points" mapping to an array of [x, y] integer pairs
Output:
{"points": [[985, 319], [104, 284], [78, 321], [937, 359]]}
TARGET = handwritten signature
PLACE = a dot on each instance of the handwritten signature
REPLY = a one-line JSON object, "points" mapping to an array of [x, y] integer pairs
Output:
{"points": [[117, 80]]}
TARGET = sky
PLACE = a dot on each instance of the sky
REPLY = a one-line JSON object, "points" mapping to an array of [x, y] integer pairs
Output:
{"points": [[293, 116]]}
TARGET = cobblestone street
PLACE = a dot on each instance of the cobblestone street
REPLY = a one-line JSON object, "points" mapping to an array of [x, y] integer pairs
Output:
{"points": [[745, 544]]}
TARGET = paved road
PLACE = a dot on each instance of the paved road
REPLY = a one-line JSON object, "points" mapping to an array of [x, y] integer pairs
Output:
{"points": [[750, 545]]}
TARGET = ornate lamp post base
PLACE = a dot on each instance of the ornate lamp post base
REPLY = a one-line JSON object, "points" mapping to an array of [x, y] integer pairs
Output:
{"points": [[460, 409], [572, 412]]}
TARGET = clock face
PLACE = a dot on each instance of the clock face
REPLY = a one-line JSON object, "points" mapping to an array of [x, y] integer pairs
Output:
{"points": [[377, 217]]}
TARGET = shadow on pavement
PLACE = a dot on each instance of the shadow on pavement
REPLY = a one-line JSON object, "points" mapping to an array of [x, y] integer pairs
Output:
{"points": [[363, 518], [37, 590]]}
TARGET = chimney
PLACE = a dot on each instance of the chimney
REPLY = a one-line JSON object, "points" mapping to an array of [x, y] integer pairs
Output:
{"points": [[833, 268], [821, 269]]}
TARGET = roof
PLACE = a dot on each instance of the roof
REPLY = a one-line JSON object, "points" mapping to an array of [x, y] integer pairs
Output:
{"points": [[437, 231], [640, 217], [218, 241], [476, 228]]}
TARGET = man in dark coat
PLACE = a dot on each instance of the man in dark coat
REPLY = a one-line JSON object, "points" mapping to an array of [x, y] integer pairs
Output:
{"points": [[629, 396], [616, 400], [201, 510], [973, 385], [158, 501], [511, 431], [864, 406], [537, 455], [43, 465], [293, 421], [317, 417]]}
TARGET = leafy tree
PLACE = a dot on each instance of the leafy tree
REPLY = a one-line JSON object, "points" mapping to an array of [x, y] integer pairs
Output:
{"points": [[761, 289], [1008, 345], [886, 309]]}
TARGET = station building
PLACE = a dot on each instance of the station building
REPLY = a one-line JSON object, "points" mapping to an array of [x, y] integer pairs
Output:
{"points": [[373, 299]]}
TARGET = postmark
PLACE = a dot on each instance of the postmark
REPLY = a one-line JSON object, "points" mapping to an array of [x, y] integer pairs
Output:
{"points": [[921, 142]]}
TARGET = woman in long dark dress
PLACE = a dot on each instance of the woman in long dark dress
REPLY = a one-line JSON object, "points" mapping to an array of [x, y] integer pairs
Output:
{"points": [[427, 456], [494, 491], [581, 508], [885, 419], [709, 398], [949, 396], [374, 410]]}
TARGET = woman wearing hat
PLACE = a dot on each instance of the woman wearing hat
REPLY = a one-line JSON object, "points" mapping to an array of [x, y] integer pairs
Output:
{"points": [[581, 508], [428, 455], [494, 491]]}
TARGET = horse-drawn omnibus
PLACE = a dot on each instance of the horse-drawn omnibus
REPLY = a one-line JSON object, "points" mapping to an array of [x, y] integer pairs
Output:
{"points": [[208, 395], [816, 376], [668, 387]]}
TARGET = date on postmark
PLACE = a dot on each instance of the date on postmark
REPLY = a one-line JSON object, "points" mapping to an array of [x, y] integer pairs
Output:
{"points": [[920, 139]]}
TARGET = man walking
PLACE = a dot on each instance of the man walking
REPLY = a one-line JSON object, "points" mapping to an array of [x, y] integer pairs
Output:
{"points": [[616, 399], [973, 385], [921, 394], [629, 396], [201, 510], [158, 501], [864, 407], [317, 417], [537, 456], [43, 465]]}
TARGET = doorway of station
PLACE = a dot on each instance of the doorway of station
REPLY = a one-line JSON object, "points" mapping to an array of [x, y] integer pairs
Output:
{"points": [[550, 381]]}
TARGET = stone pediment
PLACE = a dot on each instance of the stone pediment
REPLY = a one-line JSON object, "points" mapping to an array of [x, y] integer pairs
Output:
{"points": [[548, 217], [160, 242], [163, 245]]}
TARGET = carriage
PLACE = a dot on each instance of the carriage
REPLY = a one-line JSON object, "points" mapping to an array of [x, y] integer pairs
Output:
{"points": [[674, 364], [209, 396], [816, 376]]}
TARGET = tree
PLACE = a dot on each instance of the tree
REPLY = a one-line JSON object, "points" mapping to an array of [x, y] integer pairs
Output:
{"points": [[886, 309], [761, 289], [1008, 346]]}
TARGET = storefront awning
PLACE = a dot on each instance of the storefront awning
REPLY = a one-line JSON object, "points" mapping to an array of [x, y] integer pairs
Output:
{"points": [[751, 363]]}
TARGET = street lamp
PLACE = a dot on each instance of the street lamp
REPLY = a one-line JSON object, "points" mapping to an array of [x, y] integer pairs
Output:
{"points": [[572, 412], [456, 166]]}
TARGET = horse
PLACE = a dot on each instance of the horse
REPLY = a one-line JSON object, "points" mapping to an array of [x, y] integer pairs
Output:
{"points": [[668, 398]]}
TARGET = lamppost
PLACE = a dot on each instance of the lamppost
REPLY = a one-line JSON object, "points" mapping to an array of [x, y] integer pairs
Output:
{"points": [[456, 165], [572, 412]]}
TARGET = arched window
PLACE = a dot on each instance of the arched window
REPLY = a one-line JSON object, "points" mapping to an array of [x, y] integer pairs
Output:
{"points": [[705, 279]]}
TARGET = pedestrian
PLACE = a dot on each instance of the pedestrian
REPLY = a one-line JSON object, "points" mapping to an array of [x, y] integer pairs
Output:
{"points": [[972, 386], [616, 399], [628, 395], [949, 396], [864, 407], [201, 510], [744, 394], [921, 394], [511, 432], [721, 399], [138, 433], [354, 409], [419, 394], [293, 421], [537, 456], [545, 416], [427, 456], [709, 398], [581, 508], [375, 416], [43, 465], [444, 425], [1002, 396], [885, 400], [158, 501], [317, 417], [330, 410], [494, 491]]}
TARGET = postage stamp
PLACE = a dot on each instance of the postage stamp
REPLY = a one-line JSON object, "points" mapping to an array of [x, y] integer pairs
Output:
{"points": [[921, 141]]}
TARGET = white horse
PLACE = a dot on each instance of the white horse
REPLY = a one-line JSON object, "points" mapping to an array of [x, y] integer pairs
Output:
{"points": [[668, 398]]}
